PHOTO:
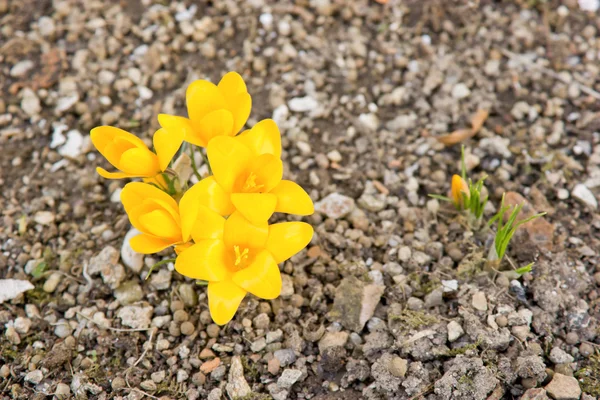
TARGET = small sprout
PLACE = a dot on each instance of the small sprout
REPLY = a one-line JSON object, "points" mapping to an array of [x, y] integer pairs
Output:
{"points": [[39, 269], [523, 270], [505, 231]]}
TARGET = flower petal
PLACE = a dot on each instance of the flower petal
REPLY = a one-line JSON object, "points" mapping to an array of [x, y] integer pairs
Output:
{"points": [[292, 199], [134, 194], [263, 138], [205, 260], [203, 97], [268, 170], [255, 207], [240, 232], [261, 278], [288, 238], [240, 107], [175, 124], [224, 298], [228, 159], [102, 135], [232, 84], [113, 175], [197, 220], [161, 224], [147, 244], [216, 123], [166, 143], [209, 193], [139, 161]]}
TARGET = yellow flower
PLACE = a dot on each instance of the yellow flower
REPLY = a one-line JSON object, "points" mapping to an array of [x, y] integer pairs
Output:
{"points": [[248, 177], [161, 221], [128, 153], [237, 257], [213, 110], [459, 186]]}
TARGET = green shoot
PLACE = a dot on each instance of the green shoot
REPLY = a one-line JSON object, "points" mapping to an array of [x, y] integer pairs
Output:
{"points": [[506, 230], [523, 270], [158, 264]]}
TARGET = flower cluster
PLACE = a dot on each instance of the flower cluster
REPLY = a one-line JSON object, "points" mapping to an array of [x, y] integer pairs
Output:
{"points": [[219, 227]]}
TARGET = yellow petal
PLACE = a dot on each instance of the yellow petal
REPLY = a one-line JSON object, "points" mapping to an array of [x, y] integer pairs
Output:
{"points": [[228, 159], [459, 186], [261, 278], [166, 143], [113, 175], [134, 194], [292, 199], [197, 220], [178, 125], [158, 180], [203, 97], [255, 207], [216, 123], [139, 161], [211, 195], [268, 170], [288, 238], [102, 135], [263, 138], [240, 107], [232, 84], [240, 232], [147, 244], [224, 298], [161, 224], [205, 260]]}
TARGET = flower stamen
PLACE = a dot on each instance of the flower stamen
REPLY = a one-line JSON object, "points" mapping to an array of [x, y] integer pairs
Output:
{"points": [[240, 257], [251, 184]]}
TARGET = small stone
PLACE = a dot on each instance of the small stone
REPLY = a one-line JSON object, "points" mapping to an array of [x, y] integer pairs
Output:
{"points": [[258, 345], [534, 394], [335, 205], [398, 367], [52, 282], [188, 295], [585, 195], [21, 68], [30, 103], [287, 286], [161, 280], [274, 336], [210, 366], [63, 328], [450, 286], [206, 353], [215, 394], [62, 391], [237, 387], [355, 302], [182, 376], [261, 321], [129, 292], [46, 26], [219, 373], [44, 217], [559, 356], [148, 385], [135, 316], [479, 301], [34, 376], [213, 330], [22, 324], [131, 259], [11, 335], [187, 328], [434, 298], [288, 378], [285, 357], [460, 91], [118, 383], [273, 366], [333, 339], [455, 331], [303, 104], [563, 387], [158, 376]]}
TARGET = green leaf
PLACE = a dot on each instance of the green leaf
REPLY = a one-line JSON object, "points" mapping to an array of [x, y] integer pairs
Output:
{"points": [[440, 197], [39, 269], [525, 269]]}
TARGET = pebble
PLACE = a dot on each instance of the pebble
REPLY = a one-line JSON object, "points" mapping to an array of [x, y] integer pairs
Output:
{"points": [[285, 357], [215, 394], [589, 5], [398, 367], [52, 282], [161, 280], [34, 376], [455, 331], [148, 385], [274, 336], [237, 387], [129, 292], [11, 288], [30, 103], [131, 259], [559, 356], [135, 316], [261, 321], [460, 91], [209, 366], [21, 68], [118, 383], [187, 328], [46, 26], [44, 217], [585, 195], [11, 335], [63, 328], [188, 295], [479, 301], [303, 104], [213, 330], [258, 345], [288, 378], [563, 387], [333, 339], [62, 390], [335, 205], [273, 366], [22, 324], [434, 298]]}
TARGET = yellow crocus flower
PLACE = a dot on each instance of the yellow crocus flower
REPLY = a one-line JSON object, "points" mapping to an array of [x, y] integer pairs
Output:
{"points": [[213, 110], [130, 155], [237, 257], [247, 176], [162, 222], [458, 187]]}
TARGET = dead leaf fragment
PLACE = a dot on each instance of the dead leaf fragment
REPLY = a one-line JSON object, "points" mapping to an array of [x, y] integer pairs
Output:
{"points": [[461, 135], [479, 119]]}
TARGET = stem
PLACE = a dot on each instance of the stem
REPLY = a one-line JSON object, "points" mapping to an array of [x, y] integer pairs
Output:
{"points": [[196, 173], [206, 162], [202, 283], [158, 264]]}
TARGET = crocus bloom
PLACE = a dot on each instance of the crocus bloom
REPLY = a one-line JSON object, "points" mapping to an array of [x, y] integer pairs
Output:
{"points": [[128, 153], [237, 257], [213, 110], [459, 186], [247, 176], [161, 221]]}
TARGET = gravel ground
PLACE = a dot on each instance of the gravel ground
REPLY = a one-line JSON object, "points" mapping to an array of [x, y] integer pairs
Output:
{"points": [[392, 299]]}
